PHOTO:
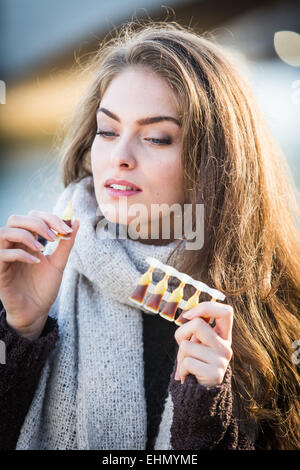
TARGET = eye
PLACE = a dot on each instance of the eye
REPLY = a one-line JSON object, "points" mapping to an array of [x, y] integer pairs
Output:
{"points": [[161, 141], [105, 134], [167, 141]]}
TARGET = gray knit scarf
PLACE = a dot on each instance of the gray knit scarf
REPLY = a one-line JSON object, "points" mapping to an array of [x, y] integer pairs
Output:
{"points": [[91, 392]]}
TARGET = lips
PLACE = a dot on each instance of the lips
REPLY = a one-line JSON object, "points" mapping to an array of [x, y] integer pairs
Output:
{"points": [[123, 183]]}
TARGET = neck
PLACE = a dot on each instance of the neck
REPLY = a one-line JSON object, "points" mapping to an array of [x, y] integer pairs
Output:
{"points": [[154, 241], [144, 230]]}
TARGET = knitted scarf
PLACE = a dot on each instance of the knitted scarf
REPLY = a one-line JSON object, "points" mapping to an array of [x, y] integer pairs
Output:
{"points": [[91, 391]]}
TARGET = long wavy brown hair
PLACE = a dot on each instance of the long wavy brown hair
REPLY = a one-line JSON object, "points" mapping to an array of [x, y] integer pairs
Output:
{"points": [[236, 169]]}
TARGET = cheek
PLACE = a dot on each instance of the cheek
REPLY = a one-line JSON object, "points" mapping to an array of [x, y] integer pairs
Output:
{"points": [[96, 162], [98, 166], [167, 181]]}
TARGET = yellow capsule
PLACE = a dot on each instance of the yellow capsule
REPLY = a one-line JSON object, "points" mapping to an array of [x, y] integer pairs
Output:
{"points": [[192, 302], [155, 298], [139, 292], [170, 308], [67, 218]]}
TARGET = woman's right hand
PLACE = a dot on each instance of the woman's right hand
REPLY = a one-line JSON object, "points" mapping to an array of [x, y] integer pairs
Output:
{"points": [[29, 288]]}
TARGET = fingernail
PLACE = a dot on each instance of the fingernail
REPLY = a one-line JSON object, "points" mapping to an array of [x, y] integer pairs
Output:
{"points": [[36, 260], [39, 246], [51, 234], [186, 315], [66, 228]]}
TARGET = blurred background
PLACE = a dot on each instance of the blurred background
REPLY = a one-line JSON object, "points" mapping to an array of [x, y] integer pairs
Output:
{"points": [[44, 44]]}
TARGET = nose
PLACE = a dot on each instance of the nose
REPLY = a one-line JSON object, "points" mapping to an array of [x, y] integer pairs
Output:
{"points": [[122, 155]]}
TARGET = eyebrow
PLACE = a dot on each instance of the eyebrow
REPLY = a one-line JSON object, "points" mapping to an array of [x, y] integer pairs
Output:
{"points": [[144, 121]]}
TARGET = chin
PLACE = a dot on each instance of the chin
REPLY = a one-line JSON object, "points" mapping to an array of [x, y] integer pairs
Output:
{"points": [[115, 218]]}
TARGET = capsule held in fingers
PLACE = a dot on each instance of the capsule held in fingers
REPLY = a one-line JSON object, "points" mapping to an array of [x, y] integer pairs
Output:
{"points": [[67, 219], [192, 302]]}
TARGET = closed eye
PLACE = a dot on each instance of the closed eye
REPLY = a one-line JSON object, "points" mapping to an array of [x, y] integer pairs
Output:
{"points": [[155, 141], [105, 133]]}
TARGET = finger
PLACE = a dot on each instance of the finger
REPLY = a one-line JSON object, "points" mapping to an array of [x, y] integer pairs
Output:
{"points": [[41, 226], [222, 313], [218, 359], [12, 255], [195, 339], [200, 330], [9, 236], [197, 351], [204, 373], [182, 352], [61, 254], [55, 222]]}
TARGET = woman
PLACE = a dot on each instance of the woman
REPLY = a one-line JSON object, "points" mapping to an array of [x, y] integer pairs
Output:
{"points": [[232, 386]]}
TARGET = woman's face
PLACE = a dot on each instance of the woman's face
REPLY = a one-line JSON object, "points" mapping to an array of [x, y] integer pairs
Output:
{"points": [[144, 154]]}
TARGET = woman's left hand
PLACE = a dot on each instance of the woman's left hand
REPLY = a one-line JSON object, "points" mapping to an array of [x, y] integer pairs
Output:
{"points": [[209, 352]]}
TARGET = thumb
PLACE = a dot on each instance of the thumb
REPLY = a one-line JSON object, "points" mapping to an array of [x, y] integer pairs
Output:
{"points": [[60, 256]]}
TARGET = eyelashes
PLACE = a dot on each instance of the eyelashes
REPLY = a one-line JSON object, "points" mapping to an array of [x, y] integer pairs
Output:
{"points": [[155, 141]]}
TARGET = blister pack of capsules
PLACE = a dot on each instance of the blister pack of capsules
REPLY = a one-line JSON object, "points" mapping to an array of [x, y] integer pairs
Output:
{"points": [[157, 299]]}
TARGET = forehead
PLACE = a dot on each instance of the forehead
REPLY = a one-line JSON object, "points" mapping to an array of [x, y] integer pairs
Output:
{"points": [[140, 89]]}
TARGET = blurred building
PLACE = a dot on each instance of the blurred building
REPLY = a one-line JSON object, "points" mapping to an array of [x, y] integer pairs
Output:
{"points": [[42, 45]]}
